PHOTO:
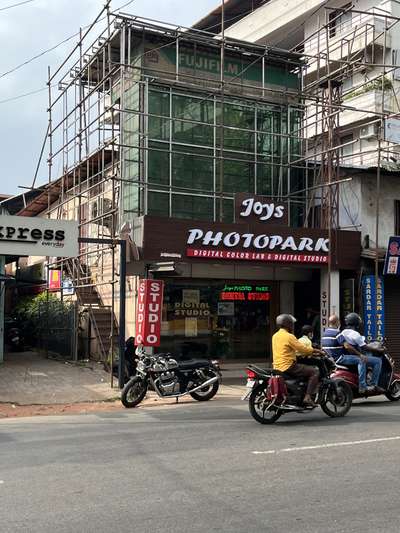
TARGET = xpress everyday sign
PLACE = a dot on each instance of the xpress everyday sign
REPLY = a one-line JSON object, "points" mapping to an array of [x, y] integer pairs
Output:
{"points": [[38, 236]]}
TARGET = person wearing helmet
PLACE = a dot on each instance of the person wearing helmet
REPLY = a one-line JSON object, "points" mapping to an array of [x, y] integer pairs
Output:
{"points": [[285, 348], [357, 353]]}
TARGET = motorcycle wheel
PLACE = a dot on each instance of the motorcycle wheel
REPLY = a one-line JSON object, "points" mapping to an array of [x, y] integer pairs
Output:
{"points": [[337, 405], [393, 393], [258, 407], [133, 392], [205, 394]]}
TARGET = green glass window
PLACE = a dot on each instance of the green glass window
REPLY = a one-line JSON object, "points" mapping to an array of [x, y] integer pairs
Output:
{"points": [[160, 107], [227, 210], [238, 176], [238, 122], [158, 163], [195, 118], [158, 204], [192, 207], [192, 170]]}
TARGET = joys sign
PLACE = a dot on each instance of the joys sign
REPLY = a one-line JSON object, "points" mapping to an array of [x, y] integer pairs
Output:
{"points": [[149, 312], [249, 208]]}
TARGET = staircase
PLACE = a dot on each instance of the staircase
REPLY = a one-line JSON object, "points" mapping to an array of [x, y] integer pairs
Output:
{"points": [[100, 315]]}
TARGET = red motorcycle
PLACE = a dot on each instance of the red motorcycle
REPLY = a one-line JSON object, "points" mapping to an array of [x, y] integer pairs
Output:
{"points": [[389, 380]]}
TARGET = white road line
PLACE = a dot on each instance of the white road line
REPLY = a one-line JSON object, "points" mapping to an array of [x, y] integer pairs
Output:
{"points": [[328, 445]]}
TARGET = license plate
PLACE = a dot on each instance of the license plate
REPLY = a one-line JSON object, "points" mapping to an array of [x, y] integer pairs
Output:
{"points": [[249, 387]]}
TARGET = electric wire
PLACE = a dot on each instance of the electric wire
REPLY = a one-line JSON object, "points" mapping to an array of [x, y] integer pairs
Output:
{"points": [[16, 5]]}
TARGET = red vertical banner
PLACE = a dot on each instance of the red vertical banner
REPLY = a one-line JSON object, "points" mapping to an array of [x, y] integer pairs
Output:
{"points": [[54, 280], [149, 312]]}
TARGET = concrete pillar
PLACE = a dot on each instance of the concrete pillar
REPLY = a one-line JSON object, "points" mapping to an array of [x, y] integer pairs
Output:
{"points": [[334, 307], [286, 291]]}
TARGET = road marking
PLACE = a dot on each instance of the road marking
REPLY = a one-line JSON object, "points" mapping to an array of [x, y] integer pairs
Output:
{"points": [[328, 445], [1, 481]]}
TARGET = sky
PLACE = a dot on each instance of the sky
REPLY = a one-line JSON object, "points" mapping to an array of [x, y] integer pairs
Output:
{"points": [[26, 31]]}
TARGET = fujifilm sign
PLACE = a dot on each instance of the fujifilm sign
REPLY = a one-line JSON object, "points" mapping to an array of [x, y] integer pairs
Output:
{"points": [[38, 236]]}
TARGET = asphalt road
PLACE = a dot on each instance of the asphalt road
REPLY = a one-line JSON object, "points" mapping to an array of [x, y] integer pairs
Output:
{"points": [[192, 468]]}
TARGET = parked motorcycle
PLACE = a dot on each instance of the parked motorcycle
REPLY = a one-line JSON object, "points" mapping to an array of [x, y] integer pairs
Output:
{"points": [[271, 394], [12, 335], [170, 378], [389, 380]]}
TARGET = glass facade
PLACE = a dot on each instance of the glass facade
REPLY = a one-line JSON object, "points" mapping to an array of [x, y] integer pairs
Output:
{"points": [[228, 320], [199, 154]]}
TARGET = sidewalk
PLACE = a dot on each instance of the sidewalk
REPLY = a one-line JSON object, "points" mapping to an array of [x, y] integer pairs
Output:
{"points": [[31, 384]]}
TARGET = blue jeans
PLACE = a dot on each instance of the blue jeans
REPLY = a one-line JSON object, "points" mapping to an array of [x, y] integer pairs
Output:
{"points": [[374, 362]]}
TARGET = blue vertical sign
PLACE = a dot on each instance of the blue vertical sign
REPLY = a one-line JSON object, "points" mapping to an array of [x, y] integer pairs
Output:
{"points": [[374, 309]]}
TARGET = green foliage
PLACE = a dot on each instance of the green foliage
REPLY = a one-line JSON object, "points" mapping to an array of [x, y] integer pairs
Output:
{"points": [[38, 313], [374, 85]]}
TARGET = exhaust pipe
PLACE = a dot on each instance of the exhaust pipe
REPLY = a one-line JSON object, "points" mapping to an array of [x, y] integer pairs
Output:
{"points": [[205, 384]]}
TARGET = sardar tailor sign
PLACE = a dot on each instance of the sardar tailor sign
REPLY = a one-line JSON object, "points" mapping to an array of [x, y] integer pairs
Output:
{"points": [[149, 312]]}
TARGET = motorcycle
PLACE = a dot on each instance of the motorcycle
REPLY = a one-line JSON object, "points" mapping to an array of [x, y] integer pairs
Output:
{"points": [[271, 394], [12, 335], [389, 380], [169, 378]]}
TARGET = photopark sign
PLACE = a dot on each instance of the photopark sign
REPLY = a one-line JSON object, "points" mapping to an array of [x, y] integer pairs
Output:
{"points": [[263, 241], [38, 236]]}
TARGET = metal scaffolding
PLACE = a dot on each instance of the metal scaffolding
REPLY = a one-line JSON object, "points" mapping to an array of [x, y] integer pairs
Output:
{"points": [[99, 122]]}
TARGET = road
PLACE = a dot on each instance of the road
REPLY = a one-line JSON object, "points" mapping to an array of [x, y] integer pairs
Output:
{"points": [[192, 468]]}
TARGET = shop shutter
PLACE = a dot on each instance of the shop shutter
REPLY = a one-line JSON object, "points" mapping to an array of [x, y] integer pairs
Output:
{"points": [[392, 316]]}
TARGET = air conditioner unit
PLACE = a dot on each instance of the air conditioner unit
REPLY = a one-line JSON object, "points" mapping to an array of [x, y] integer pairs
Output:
{"points": [[369, 131]]}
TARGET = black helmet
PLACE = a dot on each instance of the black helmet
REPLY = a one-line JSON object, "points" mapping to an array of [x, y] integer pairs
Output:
{"points": [[285, 321], [353, 320]]}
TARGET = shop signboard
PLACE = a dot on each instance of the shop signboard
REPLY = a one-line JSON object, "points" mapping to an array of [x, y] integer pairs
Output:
{"points": [[68, 287], [149, 312], [54, 280], [250, 293], [374, 308], [260, 209], [38, 236], [247, 242], [392, 264], [392, 130]]}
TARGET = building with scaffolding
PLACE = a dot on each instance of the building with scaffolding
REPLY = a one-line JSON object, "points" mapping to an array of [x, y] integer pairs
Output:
{"points": [[351, 83], [191, 147]]}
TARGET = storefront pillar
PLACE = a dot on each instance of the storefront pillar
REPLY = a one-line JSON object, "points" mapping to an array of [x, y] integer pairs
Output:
{"points": [[330, 296], [286, 297]]}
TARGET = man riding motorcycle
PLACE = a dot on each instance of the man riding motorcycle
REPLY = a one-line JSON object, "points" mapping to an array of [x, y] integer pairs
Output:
{"points": [[357, 352], [285, 347]]}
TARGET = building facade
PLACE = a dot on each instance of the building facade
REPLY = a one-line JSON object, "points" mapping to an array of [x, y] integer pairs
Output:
{"points": [[190, 147]]}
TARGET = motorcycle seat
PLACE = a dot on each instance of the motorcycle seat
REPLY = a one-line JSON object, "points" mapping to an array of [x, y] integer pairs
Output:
{"points": [[191, 364], [344, 366]]}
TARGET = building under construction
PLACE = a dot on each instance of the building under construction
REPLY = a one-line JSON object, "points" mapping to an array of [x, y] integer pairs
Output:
{"points": [[222, 163]]}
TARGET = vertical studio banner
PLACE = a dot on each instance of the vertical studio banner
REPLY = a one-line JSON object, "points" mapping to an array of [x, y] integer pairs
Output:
{"points": [[54, 280], [149, 312], [374, 308]]}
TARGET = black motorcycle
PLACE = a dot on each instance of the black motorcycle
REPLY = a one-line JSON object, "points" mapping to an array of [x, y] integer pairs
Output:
{"points": [[170, 378], [271, 393]]}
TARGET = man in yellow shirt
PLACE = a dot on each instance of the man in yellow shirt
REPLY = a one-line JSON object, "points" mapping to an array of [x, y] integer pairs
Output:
{"points": [[285, 348]]}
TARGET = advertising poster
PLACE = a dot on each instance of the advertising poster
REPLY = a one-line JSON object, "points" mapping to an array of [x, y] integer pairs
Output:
{"points": [[149, 312], [54, 280], [392, 257]]}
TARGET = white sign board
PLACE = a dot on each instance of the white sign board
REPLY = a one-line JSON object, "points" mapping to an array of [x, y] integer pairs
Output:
{"points": [[38, 236], [68, 287], [392, 130]]}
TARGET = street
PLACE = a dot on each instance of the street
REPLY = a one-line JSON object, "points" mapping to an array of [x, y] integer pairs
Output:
{"points": [[193, 468]]}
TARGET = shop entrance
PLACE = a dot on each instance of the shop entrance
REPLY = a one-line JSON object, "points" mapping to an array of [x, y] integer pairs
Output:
{"points": [[223, 319]]}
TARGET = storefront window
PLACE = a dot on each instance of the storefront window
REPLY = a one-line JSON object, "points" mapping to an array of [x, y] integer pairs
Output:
{"points": [[228, 320]]}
